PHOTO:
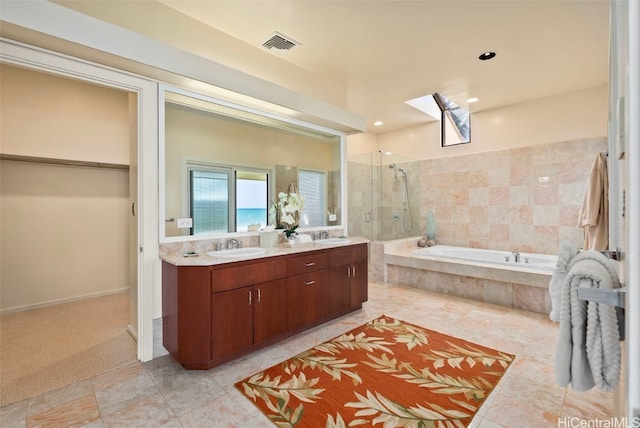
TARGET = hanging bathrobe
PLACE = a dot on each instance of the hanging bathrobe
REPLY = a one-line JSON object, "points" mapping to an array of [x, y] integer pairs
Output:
{"points": [[594, 215]]}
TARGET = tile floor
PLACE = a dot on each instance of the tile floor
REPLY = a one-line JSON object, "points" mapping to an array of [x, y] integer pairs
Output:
{"points": [[160, 393]]}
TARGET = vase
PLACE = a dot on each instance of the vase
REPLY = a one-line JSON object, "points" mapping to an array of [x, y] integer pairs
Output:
{"points": [[431, 226]]}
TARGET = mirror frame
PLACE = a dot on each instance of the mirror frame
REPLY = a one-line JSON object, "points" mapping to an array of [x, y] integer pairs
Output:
{"points": [[163, 89]]}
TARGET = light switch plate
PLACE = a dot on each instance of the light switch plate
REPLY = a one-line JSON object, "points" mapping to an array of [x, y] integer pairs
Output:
{"points": [[184, 223]]}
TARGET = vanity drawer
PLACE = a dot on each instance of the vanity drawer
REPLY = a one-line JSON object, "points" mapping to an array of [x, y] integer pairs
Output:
{"points": [[304, 263], [240, 276], [348, 255]]}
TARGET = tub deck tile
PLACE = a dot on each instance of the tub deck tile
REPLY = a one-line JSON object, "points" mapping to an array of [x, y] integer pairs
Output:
{"points": [[523, 288]]}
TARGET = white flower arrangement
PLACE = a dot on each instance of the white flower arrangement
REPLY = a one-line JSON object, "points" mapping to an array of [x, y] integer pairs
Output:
{"points": [[286, 211]]}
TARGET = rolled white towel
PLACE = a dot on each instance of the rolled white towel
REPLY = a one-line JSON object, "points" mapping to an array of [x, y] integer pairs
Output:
{"points": [[588, 349], [566, 254]]}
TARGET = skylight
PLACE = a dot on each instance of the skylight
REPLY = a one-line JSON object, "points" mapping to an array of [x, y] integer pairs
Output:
{"points": [[455, 121], [426, 104]]}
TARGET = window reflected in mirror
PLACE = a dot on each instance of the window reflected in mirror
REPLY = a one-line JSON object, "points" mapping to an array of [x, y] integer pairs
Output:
{"points": [[224, 200]]}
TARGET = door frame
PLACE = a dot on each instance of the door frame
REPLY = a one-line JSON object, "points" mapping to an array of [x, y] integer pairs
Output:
{"points": [[34, 58], [632, 131]]}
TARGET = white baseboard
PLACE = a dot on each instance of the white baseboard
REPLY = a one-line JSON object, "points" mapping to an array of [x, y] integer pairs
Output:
{"points": [[59, 301], [132, 332]]}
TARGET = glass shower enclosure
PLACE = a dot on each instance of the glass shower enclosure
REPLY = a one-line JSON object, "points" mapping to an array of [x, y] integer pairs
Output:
{"points": [[384, 196]]}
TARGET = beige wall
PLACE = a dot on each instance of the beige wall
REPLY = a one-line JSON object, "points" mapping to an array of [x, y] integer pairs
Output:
{"points": [[63, 229], [64, 233], [564, 117], [54, 117]]}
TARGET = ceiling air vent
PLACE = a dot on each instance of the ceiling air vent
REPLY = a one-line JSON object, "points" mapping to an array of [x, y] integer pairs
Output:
{"points": [[280, 42]]}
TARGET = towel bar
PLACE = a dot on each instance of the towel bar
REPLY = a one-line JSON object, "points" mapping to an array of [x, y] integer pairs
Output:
{"points": [[608, 296], [610, 254]]}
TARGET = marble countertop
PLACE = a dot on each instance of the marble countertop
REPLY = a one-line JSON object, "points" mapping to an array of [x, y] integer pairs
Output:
{"points": [[203, 259]]}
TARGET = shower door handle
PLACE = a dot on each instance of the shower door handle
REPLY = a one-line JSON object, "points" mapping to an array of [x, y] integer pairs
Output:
{"points": [[367, 217]]}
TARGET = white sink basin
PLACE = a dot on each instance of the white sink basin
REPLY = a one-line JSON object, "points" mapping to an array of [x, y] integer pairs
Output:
{"points": [[332, 241], [238, 252]]}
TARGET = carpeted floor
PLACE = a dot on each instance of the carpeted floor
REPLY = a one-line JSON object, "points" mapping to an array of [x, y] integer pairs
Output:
{"points": [[386, 372], [48, 348]]}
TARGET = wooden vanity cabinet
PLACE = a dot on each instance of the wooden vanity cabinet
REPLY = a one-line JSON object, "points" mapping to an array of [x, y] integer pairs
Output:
{"points": [[247, 316], [212, 314], [349, 276], [306, 284], [248, 305], [186, 314]]}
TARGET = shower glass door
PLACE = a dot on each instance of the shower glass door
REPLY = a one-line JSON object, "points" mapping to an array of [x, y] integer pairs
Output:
{"points": [[384, 196], [361, 193]]}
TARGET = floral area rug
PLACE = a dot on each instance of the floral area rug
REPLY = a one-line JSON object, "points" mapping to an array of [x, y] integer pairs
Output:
{"points": [[387, 372]]}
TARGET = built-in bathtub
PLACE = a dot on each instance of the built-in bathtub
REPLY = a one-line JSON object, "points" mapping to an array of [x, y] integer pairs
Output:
{"points": [[507, 259], [484, 275]]}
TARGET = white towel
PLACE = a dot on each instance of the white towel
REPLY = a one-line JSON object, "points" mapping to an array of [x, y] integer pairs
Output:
{"points": [[588, 349], [567, 252]]}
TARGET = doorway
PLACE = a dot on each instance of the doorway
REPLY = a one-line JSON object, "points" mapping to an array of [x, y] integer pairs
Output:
{"points": [[144, 173], [66, 228]]}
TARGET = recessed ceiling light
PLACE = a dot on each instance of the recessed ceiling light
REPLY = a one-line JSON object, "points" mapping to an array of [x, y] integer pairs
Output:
{"points": [[473, 100], [377, 123], [487, 55]]}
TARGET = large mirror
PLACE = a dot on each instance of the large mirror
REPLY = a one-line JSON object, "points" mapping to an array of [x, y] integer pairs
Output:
{"points": [[225, 165]]}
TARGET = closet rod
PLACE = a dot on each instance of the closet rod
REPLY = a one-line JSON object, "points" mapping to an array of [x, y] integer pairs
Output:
{"points": [[69, 162]]}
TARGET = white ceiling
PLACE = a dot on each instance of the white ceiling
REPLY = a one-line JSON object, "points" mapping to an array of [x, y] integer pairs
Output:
{"points": [[386, 52]]}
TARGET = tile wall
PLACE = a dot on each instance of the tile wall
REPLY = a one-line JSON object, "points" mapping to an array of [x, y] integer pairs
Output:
{"points": [[524, 199]]}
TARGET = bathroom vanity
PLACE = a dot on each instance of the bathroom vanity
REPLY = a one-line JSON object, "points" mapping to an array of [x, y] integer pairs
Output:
{"points": [[215, 310]]}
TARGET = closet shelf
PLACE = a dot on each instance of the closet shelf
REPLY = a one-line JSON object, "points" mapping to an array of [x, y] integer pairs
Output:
{"points": [[54, 161]]}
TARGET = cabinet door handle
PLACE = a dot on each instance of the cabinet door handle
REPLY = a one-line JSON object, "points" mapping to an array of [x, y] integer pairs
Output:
{"points": [[309, 264], [259, 295], [354, 270], [250, 298], [348, 271], [309, 283]]}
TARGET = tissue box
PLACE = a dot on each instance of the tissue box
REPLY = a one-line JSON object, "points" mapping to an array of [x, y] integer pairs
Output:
{"points": [[269, 239]]}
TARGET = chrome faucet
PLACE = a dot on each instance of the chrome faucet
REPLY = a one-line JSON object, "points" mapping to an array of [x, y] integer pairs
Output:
{"points": [[232, 243], [516, 257], [324, 235]]}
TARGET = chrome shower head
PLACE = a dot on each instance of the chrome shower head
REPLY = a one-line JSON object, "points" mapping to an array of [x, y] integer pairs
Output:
{"points": [[395, 170]]}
